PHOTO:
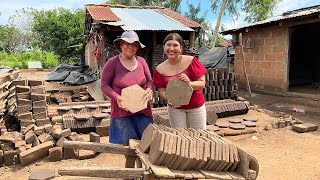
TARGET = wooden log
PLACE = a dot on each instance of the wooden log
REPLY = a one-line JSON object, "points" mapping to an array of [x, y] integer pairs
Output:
{"points": [[99, 147], [124, 173]]}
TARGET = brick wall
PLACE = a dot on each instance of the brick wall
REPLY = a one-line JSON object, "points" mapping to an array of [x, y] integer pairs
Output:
{"points": [[266, 63]]}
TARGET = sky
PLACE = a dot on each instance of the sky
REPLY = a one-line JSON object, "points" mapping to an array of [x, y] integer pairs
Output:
{"points": [[8, 8]]}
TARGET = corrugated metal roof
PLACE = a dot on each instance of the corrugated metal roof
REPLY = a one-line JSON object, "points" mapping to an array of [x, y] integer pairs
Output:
{"points": [[286, 15], [147, 19], [101, 13], [180, 18]]}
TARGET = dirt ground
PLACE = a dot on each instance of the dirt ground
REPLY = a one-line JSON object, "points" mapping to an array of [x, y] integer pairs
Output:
{"points": [[282, 153]]}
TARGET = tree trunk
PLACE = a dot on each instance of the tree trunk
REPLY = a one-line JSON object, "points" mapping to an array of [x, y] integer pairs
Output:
{"points": [[216, 28]]}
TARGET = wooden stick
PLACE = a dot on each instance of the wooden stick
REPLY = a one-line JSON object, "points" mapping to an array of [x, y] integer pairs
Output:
{"points": [[99, 147], [245, 69], [124, 173]]}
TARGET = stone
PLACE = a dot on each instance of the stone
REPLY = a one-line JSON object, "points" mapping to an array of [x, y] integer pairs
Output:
{"points": [[28, 128], [92, 106], [11, 157], [57, 133], [102, 130], [82, 117], [86, 154], [38, 90], [7, 146], [39, 130], [11, 137], [22, 89], [55, 154], [101, 115], [57, 119], [35, 153], [249, 123], [213, 128], [38, 97], [65, 133], [41, 115], [282, 123], [20, 143], [236, 120], [36, 110], [211, 117], [178, 92], [24, 102], [94, 137], [45, 137], [253, 119], [42, 122], [268, 127], [78, 107], [134, 98], [42, 174], [69, 153], [222, 124], [32, 82], [39, 103], [305, 127], [29, 137], [237, 126], [25, 116], [27, 122]]}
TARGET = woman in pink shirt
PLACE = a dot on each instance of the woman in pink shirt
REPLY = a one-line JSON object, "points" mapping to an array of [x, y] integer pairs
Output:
{"points": [[120, 72], [186, 68]]}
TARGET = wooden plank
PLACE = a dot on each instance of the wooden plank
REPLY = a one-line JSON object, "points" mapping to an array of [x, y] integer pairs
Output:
{"points": [[8, 74], [5, 84], [99, 147], [125, 173]]}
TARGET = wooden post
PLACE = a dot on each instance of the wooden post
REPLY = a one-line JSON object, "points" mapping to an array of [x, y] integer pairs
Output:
{"points": [[124, 173], [99, 147], [191, 40]]}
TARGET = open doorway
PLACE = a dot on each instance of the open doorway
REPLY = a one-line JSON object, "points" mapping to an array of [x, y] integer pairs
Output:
{"points": [[304, 68]]}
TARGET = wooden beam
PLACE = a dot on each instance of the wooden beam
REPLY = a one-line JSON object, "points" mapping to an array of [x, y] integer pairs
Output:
{"points": [[99, 147], [191, 40], [124, 173], [8, 74]]}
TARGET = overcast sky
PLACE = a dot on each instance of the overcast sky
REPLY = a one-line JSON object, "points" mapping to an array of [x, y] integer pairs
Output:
{"points": [[8, 7]]}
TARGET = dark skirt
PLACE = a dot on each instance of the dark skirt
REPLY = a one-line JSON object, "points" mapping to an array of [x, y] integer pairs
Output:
{"points": [[129, 127]]}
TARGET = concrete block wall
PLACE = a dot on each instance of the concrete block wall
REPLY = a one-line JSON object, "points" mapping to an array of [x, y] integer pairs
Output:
{"points": [[266, 63]]}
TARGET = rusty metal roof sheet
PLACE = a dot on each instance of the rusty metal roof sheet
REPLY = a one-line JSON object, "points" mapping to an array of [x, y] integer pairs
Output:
{"points": [[180, 18], [286, 15], [144, 19], [101, 13]]}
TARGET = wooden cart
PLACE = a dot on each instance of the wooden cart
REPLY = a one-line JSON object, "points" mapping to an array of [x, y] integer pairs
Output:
{"points": [[138, 165]]}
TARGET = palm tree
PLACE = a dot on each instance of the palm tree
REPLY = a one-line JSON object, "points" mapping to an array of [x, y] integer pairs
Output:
{"points": [[230, 6]]}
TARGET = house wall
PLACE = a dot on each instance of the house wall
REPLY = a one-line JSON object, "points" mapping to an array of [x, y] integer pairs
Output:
{"points": [[90, 59], [266, 63]]}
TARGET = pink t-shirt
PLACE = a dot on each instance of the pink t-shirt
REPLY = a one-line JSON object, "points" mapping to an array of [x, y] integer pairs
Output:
{"points": [[194, 71], [115, 77]]}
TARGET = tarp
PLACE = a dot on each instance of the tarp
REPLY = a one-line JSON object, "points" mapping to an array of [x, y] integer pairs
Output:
{"points": [[214, 58], [72, 74]]}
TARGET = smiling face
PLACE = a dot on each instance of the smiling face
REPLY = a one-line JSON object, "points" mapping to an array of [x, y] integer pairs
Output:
{"points": [[128, 49], [173, 49], [173, 46]]}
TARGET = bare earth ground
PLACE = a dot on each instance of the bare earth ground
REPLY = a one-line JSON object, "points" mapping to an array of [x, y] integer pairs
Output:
{"points": [[282, 153]]}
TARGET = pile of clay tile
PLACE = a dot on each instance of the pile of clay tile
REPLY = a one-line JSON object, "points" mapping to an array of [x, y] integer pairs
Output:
{"points": [[85, 117], [191, 149], [220, 84], [8, 100]]}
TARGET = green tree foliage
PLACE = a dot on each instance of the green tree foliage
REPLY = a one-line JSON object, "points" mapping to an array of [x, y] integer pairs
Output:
{"points": [[23, 20], [259, 10], [20, 60], [193, 13], [172, 4], [10, 39], [255, 9], [61, 32]]}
